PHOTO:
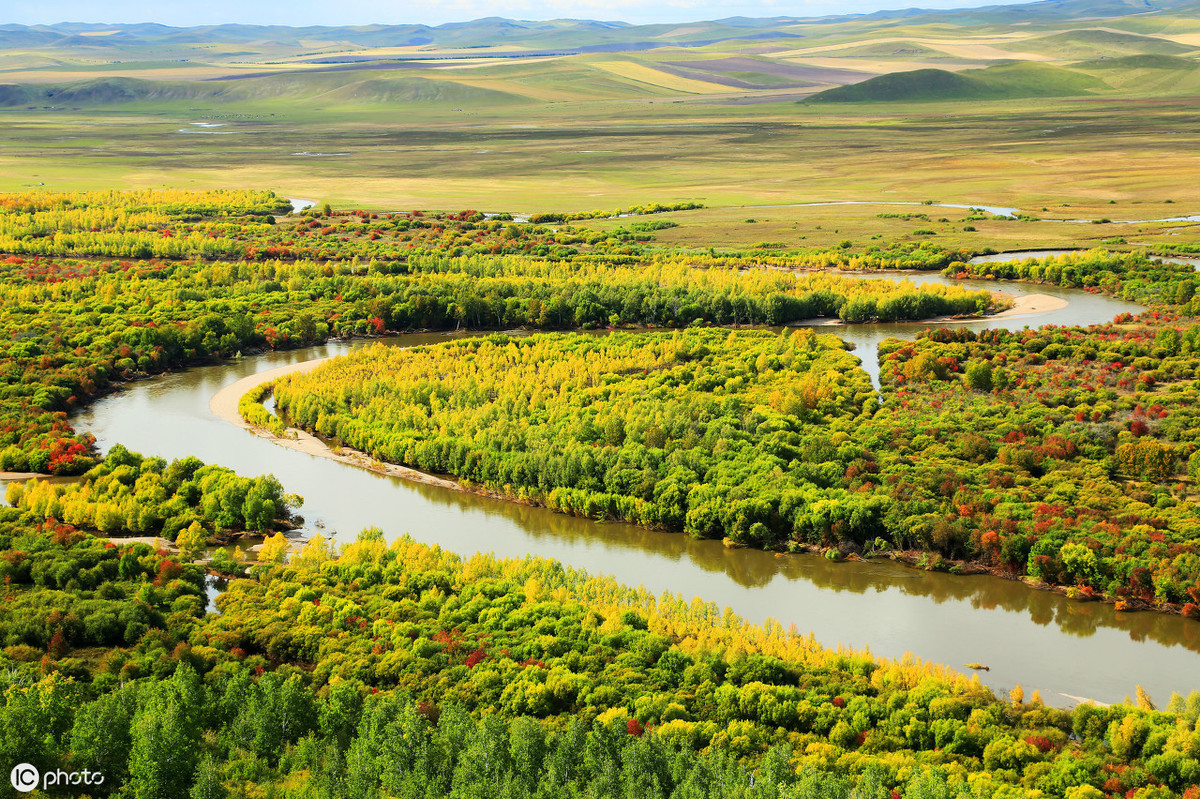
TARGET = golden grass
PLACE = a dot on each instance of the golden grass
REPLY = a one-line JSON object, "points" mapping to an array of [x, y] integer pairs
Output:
{"points": [[644, 74], [531, 89], [878, 66], [817, 226]]}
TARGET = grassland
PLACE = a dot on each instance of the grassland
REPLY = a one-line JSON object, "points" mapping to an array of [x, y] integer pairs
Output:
{"points": [[1070, 157], [775, 228], [530, 120]]}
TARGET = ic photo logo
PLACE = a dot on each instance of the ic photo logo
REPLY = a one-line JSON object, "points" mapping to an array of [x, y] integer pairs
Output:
{"points": [[24, 777]]}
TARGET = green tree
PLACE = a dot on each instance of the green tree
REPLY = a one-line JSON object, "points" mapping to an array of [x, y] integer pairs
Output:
{"points": [[979, 375], [101, 736], [165, 739]]}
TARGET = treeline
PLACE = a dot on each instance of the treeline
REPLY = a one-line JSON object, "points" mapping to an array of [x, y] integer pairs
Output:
{"points": [[1065, 455], [506, 677], [76, 326], [137, 495], [510, 292], [636, 210], [134, 224], [1133, 276], [164, 202], [242, 225]]}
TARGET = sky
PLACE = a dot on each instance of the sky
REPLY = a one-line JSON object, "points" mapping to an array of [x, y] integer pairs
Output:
{"points": [[362, 12]]}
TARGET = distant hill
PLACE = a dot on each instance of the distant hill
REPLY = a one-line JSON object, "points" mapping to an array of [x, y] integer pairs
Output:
{"points": [[99, 91], [1091, 43], [1044, 10], [919, 84], [108, 91], [417, 90], [566, 33], [1048, 48], [1142, 62], [1006, 81]]}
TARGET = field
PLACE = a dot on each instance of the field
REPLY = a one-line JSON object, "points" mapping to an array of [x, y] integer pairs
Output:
{"points": [[536, 121], [782, 227]]}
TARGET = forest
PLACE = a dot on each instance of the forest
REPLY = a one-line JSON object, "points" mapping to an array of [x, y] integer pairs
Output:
{"points": [[1065, 456], [75, 326], [388, 670], [735, 434]]}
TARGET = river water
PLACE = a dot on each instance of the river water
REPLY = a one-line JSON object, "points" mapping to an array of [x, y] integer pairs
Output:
{"points": [[1038, 639]]}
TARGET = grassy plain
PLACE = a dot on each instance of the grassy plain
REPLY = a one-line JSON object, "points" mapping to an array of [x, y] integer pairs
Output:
{"points": [[727, 124], [1069, 157], [772, 228]]}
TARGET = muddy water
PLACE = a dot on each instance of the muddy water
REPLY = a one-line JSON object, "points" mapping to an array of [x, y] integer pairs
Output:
{"points": [[1038, 639], [1082, 309]]}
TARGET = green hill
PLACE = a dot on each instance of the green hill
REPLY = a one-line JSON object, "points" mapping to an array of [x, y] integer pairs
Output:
{"points": [[105, 91], [1147, 75], [418, 90], [1089, 43], [11, 94], [1004, 81], [1141, 62], [347, 89], [1034, 79], [920, 84]]}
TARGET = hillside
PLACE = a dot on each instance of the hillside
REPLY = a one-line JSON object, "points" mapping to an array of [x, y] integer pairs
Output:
{"points": [[1002, 82], [1091, 43]]}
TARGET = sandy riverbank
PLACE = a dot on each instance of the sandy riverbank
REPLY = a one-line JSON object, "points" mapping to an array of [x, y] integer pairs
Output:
{"points": [[224, 405], [1022, 305], [7, 477], [1029, 304]]}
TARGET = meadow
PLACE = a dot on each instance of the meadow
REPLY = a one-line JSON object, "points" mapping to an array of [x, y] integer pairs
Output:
{"points": [[606, 154], [533, 120]]}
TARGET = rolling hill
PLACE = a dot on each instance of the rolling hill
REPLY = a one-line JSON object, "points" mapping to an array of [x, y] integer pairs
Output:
{"points": [[1001, 82]]}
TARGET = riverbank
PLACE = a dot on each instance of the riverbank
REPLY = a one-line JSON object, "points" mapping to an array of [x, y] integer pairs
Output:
{"points": [[1029, 305], [1023, 305], [224, 405], [8, 477]]}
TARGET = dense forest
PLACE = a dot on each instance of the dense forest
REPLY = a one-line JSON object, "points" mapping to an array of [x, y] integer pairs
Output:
{"points": [[74, 325], [1063, 455], [401, 670], [132, 494]]}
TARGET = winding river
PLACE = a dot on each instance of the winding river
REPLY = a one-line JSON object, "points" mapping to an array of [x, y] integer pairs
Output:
{"points": [[1041, 640]]}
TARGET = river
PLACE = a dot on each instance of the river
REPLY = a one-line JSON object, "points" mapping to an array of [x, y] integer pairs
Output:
{"points": [[1038, 639]]}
